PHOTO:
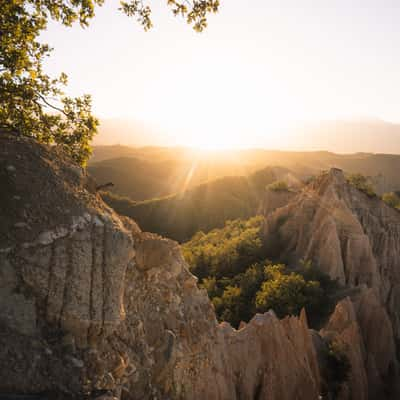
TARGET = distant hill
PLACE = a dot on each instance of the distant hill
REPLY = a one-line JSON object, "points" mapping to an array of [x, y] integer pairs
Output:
{"points": [[204, 207], [149, 172], [136, 178], [130, 132], [149, 153], [367, 135]]}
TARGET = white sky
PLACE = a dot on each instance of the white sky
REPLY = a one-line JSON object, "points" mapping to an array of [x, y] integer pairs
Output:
{"points": [[260, 65]]}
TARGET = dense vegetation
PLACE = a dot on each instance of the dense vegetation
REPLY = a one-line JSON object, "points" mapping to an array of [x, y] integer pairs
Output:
{"points": [[202, 208], [361, 182], [288, 292], [337, 369], [392, 199], [231, 265], [278, 186]]}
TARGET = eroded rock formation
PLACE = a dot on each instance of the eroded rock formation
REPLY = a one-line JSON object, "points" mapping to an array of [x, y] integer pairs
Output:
{"points": [[92, 306], [355, 239], [274, 199]]}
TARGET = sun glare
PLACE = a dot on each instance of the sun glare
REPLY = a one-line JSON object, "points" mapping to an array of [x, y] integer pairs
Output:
{"points": [[209, 144], [214, 137]]}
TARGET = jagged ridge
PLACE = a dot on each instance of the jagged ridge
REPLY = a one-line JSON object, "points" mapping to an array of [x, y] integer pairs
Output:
{"points": [[355, 239]]}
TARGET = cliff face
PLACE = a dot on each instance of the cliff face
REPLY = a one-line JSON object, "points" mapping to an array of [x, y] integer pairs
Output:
{"points": [[274, 199], [356, 240], [92, 306]]}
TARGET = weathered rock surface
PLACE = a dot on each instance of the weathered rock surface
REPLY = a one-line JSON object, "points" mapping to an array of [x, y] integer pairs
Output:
{"points": [[92, 307], [282, 362], [355, 239], [344, 329], [274, 199]]}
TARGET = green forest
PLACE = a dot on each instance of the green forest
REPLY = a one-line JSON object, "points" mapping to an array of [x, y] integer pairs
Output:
{"points": [[233, 266]]}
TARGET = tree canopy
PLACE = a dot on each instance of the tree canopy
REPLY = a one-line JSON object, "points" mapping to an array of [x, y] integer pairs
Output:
{"points": [[231, 264], [392, 199], [361, 182], [34, 104]]}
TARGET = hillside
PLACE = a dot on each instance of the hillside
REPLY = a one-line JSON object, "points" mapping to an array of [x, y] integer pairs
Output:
{"points": [[138, 179], [152, 172], [367, 135], [203, 207]]}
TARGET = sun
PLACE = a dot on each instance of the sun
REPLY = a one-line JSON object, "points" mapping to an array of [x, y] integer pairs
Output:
{"points": [[209, 145], [213, 141], [207, 141]]}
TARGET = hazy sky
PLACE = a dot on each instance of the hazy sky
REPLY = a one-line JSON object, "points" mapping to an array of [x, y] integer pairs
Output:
{"points": [[260, 65]]}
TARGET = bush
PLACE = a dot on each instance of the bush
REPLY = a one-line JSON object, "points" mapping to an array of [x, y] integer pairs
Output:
{"points": [[264, 286], [225, 252], [230, 264], [391, 199], [287, 293], [361, 183], [338, 367], [278, 186]]}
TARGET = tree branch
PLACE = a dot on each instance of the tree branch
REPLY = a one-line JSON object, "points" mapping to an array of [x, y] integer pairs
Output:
{"points": [[51, 105]]}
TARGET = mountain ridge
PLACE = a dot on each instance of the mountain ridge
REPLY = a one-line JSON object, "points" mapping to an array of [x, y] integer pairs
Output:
{"points": [[341, 135], [354, 238], [188, 169]]}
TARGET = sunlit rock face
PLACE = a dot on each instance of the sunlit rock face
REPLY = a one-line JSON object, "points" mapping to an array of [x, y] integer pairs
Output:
{"points": [[91, 306], [274, 199], [355, 239], [321, 224], [274, 358]]}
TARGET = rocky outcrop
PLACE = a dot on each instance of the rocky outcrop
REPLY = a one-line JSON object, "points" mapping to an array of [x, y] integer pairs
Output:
{"points": [[380, 350], [190, 356], [362, 329], [343, 329], [319, 224], [281, 352], [274, 199], [355, 239], [91, 306]]}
